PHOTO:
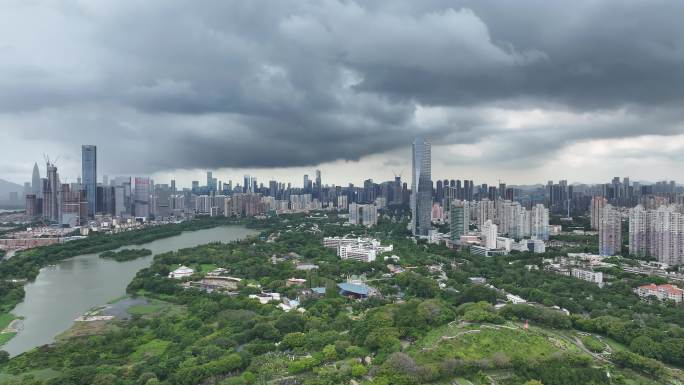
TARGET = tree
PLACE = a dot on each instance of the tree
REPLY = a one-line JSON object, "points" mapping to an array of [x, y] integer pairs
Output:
{"points": [[4, 357], [294, 340], [358, 370], [330, 353]]}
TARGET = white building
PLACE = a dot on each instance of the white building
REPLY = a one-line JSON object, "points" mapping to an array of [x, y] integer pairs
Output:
{"points": [[539, 222], [486, 211], [489, 234], [357, 252], [504, 243], [203, 204], [342, 203], [360, 249], [515, 299], [662, 292], [181, 272], [588, 275]]}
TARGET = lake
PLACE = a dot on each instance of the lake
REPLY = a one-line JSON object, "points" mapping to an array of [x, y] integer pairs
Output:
{"points": [[64, 291]]}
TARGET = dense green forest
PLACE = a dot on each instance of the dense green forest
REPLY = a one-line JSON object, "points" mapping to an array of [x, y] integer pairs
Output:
{"points": [[430, 325]]}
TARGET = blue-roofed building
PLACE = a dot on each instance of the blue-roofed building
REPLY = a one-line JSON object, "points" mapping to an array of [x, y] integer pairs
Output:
{"points": [[354, 290], [318, 290]]}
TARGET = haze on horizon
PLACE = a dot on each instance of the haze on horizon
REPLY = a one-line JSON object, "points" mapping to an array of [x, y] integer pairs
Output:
{"points": [[521, 92]]}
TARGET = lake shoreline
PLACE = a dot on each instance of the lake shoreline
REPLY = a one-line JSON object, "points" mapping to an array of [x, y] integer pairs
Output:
{"points": [[90, 281]]}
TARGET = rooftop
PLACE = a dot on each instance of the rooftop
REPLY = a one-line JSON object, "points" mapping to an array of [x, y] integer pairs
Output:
{"points": [[354, 288]]}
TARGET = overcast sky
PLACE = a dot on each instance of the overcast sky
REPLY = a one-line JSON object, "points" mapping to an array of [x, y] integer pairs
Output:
{"points": [[519, 91]]}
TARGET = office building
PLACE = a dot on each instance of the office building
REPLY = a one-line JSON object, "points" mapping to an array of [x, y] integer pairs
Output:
{"points": [[89, 176], [50, 190], [459, 220], [36, 184], [142, 197], [421, 187]]}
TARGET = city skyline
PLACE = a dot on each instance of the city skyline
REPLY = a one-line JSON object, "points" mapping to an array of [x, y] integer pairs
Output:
{"points": [[321, 192], [294, 87]]}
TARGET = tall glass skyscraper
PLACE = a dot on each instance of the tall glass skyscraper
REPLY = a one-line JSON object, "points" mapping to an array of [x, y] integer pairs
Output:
{"points": [[36, 184], [421, 187], [89, 175]]}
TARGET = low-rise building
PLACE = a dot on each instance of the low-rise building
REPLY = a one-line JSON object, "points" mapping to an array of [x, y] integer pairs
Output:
{"points": [[662, 292], [360, 249], [295, 282], [485, 252], [588, 275], [514, 299], [265, 298], [181, 272]]}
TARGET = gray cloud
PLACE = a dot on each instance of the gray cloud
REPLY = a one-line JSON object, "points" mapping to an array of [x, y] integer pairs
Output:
{"points": [[162, 85]]}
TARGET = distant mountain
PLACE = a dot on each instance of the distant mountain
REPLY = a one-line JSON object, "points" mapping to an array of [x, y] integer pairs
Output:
{"points": [[7, 187]]}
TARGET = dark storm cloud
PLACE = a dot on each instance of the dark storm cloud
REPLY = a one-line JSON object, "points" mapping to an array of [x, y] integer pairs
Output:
{"points": [[161, 85]]}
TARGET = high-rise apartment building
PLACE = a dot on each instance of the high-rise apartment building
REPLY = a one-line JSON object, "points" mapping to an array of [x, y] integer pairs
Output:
{"points": [[610, 231], [657, 233], [596, 209], [486, 210], [539, 222], [639, 231], [488, 233], [363, 214], [342, 203], [421, 187], [89, 175]]}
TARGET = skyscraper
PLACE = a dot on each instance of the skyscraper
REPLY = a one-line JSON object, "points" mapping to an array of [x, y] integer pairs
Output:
{"points": [[142, 197], [51, 194], [421, 187], [36, 184], [317, 192], [89, 174], [211, 181], [247, 184]]}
